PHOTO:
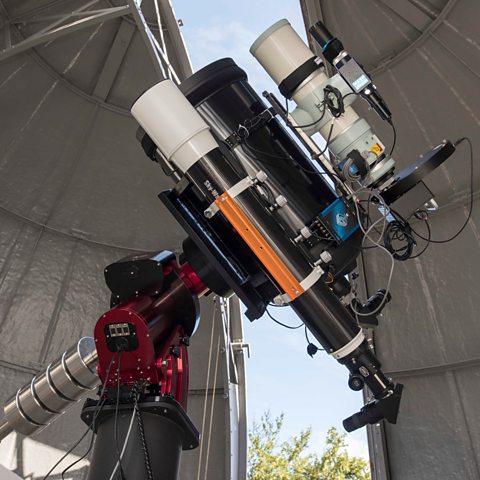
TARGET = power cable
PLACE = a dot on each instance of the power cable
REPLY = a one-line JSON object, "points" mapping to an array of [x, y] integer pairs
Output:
{"points": [[95, 414], [115, 431], [312, 349], [394, 141], [470, 210], [129, 431], [366, 235], [290, 327]]}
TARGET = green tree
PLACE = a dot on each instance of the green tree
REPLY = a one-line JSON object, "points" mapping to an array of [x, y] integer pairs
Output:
{"points": [[271, 459]]}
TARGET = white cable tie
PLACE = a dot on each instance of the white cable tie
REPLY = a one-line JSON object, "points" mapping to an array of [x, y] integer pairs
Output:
{"points": [[308, 282], [237, 189]]}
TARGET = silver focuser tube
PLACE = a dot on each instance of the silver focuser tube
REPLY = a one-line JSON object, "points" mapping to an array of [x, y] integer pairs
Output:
{"points": [[52, 391]]}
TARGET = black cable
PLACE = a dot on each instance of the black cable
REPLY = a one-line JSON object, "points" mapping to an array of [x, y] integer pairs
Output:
{"points": [[398, 239], [312, 349], [471, 199], [283, 157], [141, 431], [308, 124], [329, 95], [394, 141], [309, 342], [94, 417], [92, 426], [426, 245], [117, 402], [277, 306], [317, 155], [67, 453], [282, 324]]}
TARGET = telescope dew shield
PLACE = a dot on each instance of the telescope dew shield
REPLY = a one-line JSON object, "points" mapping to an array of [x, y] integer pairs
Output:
{"points": [[288, 67], [173, 125]]}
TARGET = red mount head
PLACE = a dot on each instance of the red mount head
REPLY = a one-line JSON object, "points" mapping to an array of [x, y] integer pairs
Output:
{"points": [[155, 311]]}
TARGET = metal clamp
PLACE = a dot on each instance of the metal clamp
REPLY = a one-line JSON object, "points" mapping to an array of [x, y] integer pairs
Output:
{"points": [[306, 283], [248, 127], [237, 189], [239, 345]]}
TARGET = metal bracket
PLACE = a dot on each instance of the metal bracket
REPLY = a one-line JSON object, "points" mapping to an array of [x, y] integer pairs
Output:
{"points": [[249, 126], [237, 189], [306, 283], [239, 346]]}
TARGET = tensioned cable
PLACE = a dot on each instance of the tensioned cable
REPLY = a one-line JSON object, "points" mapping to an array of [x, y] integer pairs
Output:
{"points": [[212, 408], [206, 386]]}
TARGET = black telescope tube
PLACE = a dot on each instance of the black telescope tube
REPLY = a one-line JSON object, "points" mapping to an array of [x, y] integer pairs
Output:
{"points": [[318, 307]]}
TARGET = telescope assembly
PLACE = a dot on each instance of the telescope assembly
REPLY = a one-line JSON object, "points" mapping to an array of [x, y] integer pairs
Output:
{"points": [[263, 221], [270, 216]]}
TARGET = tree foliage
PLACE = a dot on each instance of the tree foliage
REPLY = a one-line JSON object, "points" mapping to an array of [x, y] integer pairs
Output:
{"points": [[271, 459]]}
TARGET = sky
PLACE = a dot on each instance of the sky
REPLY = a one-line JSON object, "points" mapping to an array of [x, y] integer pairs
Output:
{"points": [[281, 377]]}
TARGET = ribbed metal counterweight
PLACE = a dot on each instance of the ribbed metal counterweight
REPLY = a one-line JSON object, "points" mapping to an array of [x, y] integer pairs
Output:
{"points": [[52, 391]]}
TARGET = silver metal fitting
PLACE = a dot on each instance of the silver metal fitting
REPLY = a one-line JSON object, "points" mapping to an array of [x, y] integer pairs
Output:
{"points": [[325, 256], [52, 391], [280, 201]]}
